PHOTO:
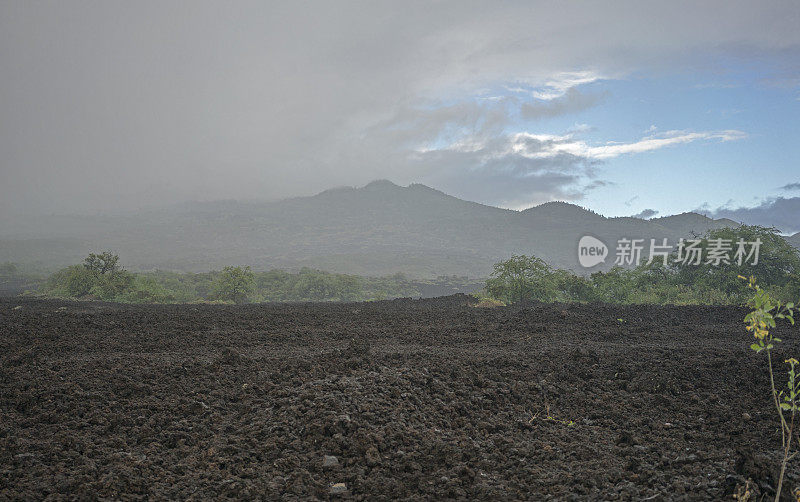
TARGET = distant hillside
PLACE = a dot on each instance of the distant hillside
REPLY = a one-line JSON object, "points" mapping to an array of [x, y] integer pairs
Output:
{"points": [[378, 229], [794, 240]]}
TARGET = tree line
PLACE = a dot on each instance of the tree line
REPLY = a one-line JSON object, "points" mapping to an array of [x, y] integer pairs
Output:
{"points": [[101, 277], [528, 278]]}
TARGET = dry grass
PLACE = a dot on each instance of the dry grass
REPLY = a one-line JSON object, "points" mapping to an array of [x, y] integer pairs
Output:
{"points": [[489, 303]]}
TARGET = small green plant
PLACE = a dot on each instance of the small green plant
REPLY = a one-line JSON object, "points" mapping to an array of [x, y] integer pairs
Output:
{"points": [[548, 417], [760, 321]]}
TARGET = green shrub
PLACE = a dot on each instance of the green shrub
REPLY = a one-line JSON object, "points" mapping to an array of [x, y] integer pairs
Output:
{"points": [[99, 276], [234, 284], [74, 281], [110, 285], [146, 289], [521, 278], [778, 264]]}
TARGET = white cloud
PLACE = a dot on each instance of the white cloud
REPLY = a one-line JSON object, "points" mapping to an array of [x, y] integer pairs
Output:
{"points": [[554, 86], [546, 146], [521, 169], [559, 84]]}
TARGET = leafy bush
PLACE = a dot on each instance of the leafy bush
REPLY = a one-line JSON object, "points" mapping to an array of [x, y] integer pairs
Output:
{"points": [[234, 284], [99, 276], [74, 281], [521, 278], [103, 263], [108, 286], [317, 286], [778, 264], [146, 290]]}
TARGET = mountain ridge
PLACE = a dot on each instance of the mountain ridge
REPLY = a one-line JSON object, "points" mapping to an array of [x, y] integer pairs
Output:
{"points": [[377, 229]]}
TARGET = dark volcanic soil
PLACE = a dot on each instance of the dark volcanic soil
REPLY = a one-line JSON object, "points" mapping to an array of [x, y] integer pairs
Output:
{"points": [[427, 399]]}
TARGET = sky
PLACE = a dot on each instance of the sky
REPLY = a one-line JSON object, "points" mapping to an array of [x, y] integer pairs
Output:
{"points": [[627, 108]]}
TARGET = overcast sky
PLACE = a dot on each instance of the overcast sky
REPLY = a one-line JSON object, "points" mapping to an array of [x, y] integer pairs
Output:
{"points": [[648, 108]]}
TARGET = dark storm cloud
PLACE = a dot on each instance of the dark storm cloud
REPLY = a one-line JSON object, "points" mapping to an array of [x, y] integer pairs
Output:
{"points": [[791, 186], [781, 213], [113, 105], [646, 214], [493, 175]]}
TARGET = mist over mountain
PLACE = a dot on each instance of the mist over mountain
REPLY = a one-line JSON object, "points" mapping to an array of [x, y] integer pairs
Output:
{"points": [[377, 229]]}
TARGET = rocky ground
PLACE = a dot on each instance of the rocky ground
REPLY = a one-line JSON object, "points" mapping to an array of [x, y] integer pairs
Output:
{"points": [[430, 399]]}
